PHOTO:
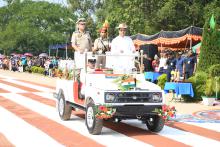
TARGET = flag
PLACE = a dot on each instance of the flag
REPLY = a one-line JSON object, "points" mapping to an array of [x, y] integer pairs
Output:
{"points": [[212, 22]]}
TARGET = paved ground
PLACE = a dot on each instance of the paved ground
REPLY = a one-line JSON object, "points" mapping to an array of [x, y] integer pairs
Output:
{"points": [[28, 118]]}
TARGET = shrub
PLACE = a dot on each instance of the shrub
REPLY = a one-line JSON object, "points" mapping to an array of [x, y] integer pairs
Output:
{"points": [[40, 70], [199, 85], [214, 70], [36, 69], [162, 80], [27, 68]]}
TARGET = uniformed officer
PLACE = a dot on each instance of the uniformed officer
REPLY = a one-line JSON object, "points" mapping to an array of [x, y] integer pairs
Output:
{"points": [[81, 42], [171, 65], [101, 45], [189, 66]]}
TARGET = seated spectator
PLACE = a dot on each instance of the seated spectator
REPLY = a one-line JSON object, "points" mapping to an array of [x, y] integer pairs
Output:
{"points": [[155, 63], [163, 63]]}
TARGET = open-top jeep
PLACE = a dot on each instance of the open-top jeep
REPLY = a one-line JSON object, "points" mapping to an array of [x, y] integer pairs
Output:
{"points": [[107, 96]]}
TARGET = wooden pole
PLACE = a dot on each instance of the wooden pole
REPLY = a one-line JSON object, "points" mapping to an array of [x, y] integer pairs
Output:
{"points": [[141, 70]]}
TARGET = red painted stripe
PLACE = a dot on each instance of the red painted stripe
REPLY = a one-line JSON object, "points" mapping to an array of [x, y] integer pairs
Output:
{"points": [[181, 126], [19, 86], [4, 91], [4, 142], [195, 129], [55, 130], [141, 135]]}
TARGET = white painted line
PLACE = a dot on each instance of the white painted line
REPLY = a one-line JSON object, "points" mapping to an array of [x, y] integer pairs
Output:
{"points": [[108, 138], [11, 88], [45, 95], [179, 135], [7, 77], [21, 133], [40, 88]]}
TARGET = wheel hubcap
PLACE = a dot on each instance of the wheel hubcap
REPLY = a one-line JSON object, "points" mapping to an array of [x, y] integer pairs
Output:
{"points": [[90, 117], [61, 106]]}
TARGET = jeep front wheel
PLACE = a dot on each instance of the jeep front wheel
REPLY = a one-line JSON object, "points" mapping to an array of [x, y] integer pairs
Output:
{"points": [[155, 124], [64, 109], [94, 125]]}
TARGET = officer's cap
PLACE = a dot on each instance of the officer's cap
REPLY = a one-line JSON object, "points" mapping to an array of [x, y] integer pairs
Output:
{"points": [[81, 20]]}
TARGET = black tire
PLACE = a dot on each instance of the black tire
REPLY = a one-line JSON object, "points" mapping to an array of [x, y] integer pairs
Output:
{"points": [[93, 125], [64, 110], [156, 125]]}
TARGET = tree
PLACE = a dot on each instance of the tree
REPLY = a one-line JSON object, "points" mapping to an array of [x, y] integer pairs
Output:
{"points": [[86, 9], [33, 26], [150, 16], [210, 50]]}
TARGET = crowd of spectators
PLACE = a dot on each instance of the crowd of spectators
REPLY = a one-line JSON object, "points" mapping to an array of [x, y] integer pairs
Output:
{"points": [[25, 63], [178, 65]]}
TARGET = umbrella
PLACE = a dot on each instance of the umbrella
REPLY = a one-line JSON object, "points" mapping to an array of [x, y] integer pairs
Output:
{"points": [[17, 55], [28, 54], [43, 55], [23, 56], [2, 56], [196, 48], [12, 54]]}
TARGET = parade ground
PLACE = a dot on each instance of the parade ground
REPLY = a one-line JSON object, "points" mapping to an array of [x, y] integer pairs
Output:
{"points": [[28, 118]]}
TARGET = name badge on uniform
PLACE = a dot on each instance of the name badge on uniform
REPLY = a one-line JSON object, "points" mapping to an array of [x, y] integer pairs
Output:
{"points": [[188, 62]]}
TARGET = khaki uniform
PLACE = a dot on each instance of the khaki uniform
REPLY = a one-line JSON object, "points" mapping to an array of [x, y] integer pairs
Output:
{"points": [[84, 42], [101, 46]]}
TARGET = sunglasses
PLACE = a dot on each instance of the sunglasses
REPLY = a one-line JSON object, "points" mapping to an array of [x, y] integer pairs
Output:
{"points": [[122, 30]]}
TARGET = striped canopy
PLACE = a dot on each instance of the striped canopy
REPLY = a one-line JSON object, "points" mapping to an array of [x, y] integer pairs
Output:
{"points": [[172, 39]]}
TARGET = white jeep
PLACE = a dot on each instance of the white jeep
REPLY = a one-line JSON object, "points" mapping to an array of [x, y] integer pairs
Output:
{"points": [[90, 91]]}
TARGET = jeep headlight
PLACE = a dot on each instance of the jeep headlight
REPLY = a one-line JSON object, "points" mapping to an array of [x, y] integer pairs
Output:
{"points": [[109, 97], [157, 97]]}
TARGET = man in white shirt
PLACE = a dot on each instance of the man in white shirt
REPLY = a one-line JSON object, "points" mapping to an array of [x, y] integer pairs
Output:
{"points": [[124, 46]]}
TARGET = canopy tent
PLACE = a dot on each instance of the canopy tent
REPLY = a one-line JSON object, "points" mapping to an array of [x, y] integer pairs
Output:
{"points": [[65, 46], [185, 38], [60, 46]]}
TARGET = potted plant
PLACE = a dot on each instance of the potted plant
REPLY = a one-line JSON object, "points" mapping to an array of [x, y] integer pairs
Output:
{"points": [[209, 97], [212, 87]]}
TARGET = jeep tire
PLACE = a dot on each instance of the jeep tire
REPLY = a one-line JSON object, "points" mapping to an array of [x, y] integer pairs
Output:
{"points": [[156, 125], [64, 108], [93, 124]]}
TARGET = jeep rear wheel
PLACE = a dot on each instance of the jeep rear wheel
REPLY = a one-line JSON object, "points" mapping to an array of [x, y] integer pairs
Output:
{"points": [[93, 124], [155, 124], [64, 108]]}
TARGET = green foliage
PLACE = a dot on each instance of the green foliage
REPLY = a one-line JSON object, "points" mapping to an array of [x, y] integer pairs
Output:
{"points": [[150, 16], [28, 69], [199, 85], [209, 88], [36, 69], [214, 70], [162, 80], [210, 49], [31, 26]]}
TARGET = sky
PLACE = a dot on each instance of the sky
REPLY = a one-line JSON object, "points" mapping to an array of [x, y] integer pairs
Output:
{"points": [[63, 2]]}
